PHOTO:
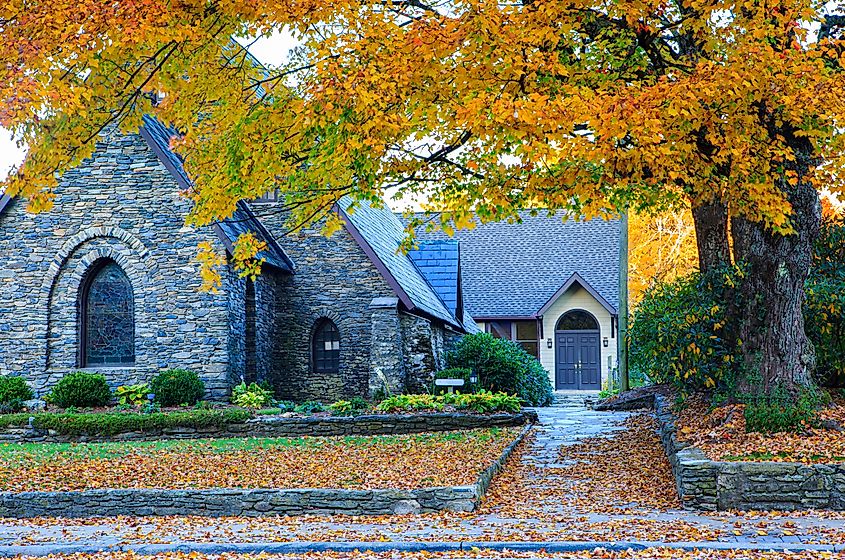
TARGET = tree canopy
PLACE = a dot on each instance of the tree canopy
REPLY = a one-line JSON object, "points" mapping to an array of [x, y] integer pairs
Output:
{"points": [[480, 105]]}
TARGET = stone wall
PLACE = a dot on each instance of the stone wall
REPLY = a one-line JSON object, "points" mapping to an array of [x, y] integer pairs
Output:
{"points": [[249, 502], [709, 485], [275, 426], [335, 279], [120, 204]]}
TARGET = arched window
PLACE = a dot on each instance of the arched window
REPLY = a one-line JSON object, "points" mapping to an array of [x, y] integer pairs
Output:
{"points": [[326, 347], [108, 321], [577, 320]]}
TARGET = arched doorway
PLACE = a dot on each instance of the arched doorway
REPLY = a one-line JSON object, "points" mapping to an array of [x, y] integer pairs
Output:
{"points": [[577, 352]]}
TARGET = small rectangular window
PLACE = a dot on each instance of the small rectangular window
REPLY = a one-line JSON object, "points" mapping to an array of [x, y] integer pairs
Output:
{"points": [[500, 329]]}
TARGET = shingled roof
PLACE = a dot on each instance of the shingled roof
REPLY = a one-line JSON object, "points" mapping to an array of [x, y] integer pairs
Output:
{"points": [[158, 136], [515, 269], [439, 262], [380, 233]]}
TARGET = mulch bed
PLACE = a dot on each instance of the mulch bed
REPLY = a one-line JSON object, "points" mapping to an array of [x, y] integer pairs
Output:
{"points": [[403, 462]]}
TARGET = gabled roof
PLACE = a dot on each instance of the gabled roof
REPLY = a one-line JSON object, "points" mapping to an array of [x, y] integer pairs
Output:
{"points": [[242, 220], [515, 269], [380, 233], [439, 262]]}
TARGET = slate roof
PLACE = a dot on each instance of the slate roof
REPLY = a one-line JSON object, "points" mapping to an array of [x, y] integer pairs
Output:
{"points": [[242, 220], [439, 263], [382, 232], [514, 269]]}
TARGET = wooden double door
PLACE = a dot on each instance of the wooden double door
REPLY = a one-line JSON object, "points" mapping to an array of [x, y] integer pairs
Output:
{"points": [[578, 360]]}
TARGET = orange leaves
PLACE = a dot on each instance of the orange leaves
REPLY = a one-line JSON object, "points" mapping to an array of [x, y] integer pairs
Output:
{"points": [[414, 461], [721, 434]]}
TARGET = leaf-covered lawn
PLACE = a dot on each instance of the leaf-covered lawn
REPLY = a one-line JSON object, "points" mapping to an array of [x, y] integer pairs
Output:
{"points": [[595, 554], [413, 461], [720, 434]]}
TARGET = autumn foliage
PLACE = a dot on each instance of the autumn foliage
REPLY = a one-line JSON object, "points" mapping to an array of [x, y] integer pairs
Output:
{"points": [[477, 105]]}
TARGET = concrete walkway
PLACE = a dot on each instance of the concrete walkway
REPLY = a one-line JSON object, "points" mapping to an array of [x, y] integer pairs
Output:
{"points": [[528, 503]]}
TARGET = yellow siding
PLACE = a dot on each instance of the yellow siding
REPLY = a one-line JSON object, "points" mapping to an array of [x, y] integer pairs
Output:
{"points": [[577, 298]]}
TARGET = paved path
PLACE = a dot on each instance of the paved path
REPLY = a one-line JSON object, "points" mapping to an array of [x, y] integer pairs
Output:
{"points": [[532, 501]]}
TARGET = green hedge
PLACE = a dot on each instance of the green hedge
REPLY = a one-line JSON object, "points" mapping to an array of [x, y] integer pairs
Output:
{"points": [[112, 423], [503, 366]]}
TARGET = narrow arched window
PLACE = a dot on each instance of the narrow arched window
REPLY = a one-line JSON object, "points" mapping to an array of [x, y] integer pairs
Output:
{"points": [[577, 320], [326, 347], [108, 321]]}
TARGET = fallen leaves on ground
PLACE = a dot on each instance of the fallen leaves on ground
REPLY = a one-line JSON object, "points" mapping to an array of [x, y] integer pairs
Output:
{"points": [[406, 462], [533, 499], [598, 553], [720, 434]]}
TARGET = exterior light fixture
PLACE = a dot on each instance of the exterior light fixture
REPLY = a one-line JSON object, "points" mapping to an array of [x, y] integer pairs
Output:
{"points": [[604, 342], [473, 378], [548, 343]]}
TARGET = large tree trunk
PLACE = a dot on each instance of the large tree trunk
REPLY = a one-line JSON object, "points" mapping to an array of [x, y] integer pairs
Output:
{"points": [[774, 349], [711, 235]]}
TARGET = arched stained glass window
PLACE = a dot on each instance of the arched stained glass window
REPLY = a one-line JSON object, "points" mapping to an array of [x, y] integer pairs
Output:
{"points": [[577, 320], [326, 347], [108, 321]]}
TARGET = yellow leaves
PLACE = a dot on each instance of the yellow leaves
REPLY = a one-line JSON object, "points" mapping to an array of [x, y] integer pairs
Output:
{"points": [[210, 263], [245, 255]]}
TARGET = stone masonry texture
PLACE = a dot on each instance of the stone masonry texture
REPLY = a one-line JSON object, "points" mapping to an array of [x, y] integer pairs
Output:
{"points": [[709, 485], [217, 502], [122, 204]]}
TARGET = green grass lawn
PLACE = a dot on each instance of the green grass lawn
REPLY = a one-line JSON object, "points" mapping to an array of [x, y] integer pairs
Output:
{"points": [[11, 453]]}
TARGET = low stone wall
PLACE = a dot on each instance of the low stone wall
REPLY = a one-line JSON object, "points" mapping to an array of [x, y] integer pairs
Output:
{"points": [[275, 426], [251, 502], [704, 484]]}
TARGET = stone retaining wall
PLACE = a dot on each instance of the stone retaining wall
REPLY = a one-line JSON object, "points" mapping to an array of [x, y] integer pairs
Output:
{"points": [[704, 484], [276, 426], [251, 502]]}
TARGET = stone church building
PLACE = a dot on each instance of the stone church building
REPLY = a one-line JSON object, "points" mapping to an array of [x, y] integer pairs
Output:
{"points": [[106, 282]]}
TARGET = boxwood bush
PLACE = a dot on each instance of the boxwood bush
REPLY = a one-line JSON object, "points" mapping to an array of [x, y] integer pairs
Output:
{"points": [[112, 423], [13, 392], [80, 389], [176, 387], [503, 366]]}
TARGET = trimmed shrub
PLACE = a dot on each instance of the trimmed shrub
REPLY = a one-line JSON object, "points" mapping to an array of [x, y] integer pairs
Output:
{"points": [[111, 423], [176, 387], [81, 389], [824, 306], [503, 366], [13, 391], [680, 332]]}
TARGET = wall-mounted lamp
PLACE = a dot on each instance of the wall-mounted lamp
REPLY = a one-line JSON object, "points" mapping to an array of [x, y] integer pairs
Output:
{"points": [[548, 343], [604, 342]]}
